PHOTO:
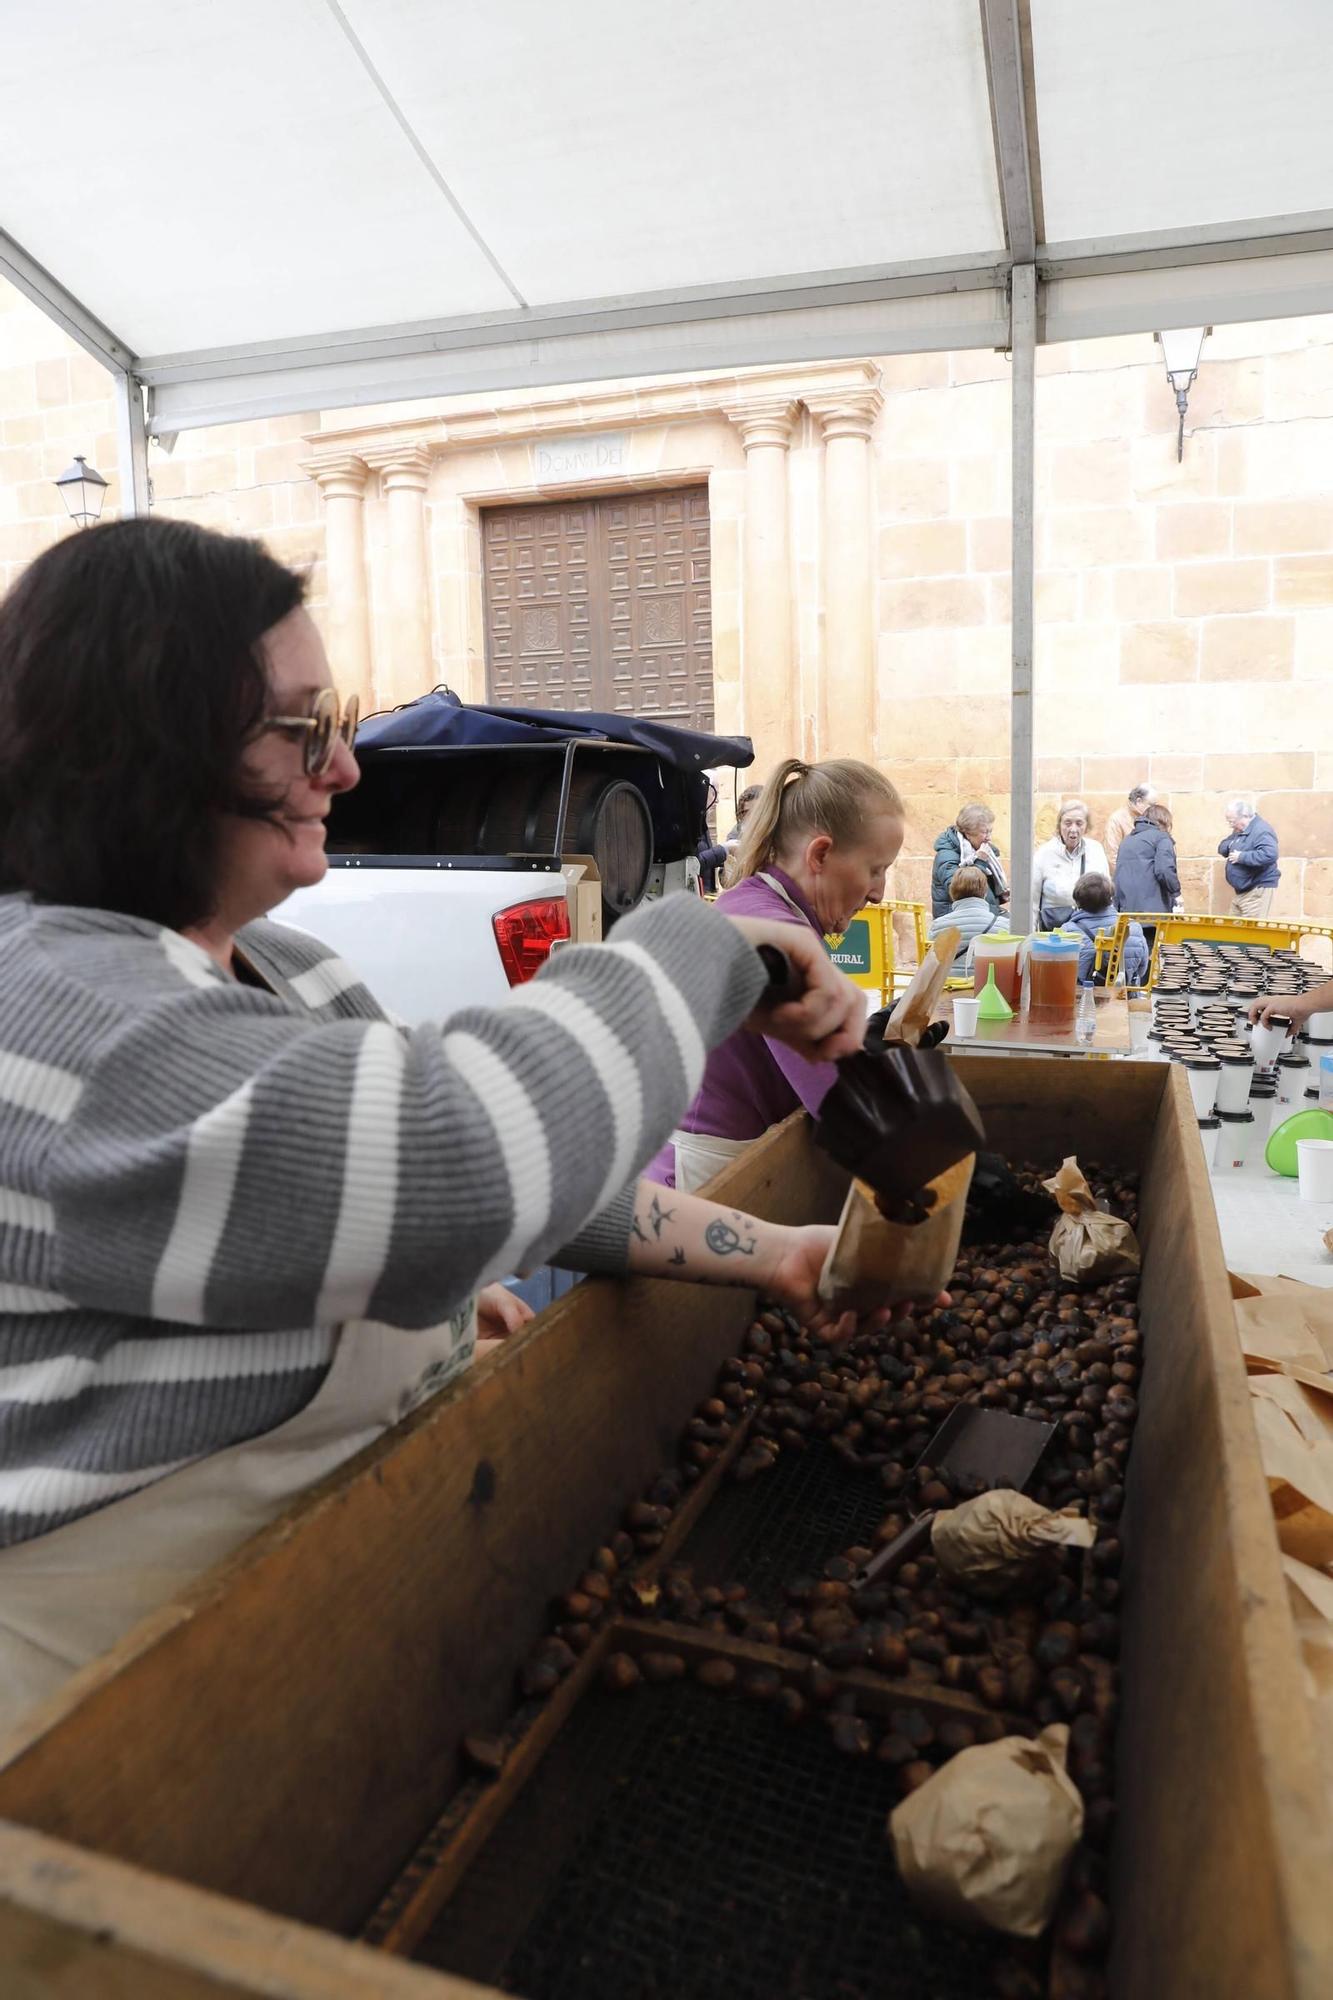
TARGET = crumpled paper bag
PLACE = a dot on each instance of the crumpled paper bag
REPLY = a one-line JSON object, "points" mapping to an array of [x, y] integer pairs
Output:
{"points": [[873, 1260], [1088, 1245], [1293, 1415], [988, 1838], [916, 1008], [1001, 1541], [1282, 1323], [1310, 1595]]}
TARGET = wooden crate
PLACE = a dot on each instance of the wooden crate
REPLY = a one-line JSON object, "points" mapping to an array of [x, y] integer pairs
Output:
{"points": [[214, 1807]]}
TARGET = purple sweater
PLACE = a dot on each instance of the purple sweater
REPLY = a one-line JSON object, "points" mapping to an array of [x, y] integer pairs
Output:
{"points": [[749, 1081]]}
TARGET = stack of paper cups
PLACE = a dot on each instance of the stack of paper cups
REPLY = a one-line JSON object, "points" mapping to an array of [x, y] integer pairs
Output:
{"points": [[1314, 1167], [1208, 1131], [1265, 1109], [1233, 1088], [1267, 1043], [1203, 1074], [1233, 1142]]}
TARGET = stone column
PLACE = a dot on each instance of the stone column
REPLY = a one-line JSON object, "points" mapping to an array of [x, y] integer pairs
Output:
{"points": [[408, 672], [341, 479], [847, 684], [767, 674]]}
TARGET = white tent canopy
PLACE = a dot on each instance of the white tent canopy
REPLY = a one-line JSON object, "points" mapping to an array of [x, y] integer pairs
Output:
{"points": [[268, 206], [280, 205]]}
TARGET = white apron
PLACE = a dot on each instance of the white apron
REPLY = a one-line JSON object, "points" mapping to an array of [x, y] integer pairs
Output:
{"points": [[68, 1596], [700, 1155]]}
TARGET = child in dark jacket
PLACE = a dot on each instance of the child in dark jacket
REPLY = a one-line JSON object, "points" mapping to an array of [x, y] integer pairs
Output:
{"points": [[1094, 911]]}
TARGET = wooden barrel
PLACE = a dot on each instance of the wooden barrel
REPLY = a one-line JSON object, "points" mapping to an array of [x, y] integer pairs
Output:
{"points": [[607, 818]]}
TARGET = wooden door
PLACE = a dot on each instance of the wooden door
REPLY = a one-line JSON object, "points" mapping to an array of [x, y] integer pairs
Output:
{"points": [[602, 603]]}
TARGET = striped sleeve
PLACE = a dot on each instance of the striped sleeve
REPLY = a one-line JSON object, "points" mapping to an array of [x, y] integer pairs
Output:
{"points": [[232, 1163]]}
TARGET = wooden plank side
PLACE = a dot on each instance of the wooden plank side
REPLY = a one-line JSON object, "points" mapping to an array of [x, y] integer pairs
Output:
{"points": [[286, 1733], [1226, 1852], [79, 1927]]}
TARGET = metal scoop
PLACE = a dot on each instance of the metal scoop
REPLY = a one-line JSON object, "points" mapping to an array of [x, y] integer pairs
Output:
{"points": [[986, 1446]]}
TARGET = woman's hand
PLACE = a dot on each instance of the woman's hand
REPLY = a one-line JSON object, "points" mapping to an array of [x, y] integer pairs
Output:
{"points": [[1296, 1008], [828, 1019], [794, 1281], [500, 1313]]}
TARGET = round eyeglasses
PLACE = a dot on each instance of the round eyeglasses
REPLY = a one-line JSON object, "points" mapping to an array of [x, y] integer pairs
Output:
{"points": [[329, 723]]}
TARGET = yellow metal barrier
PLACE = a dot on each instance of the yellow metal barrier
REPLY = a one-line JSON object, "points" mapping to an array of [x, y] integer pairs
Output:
{"points": [[897, 905], [864, 951]]}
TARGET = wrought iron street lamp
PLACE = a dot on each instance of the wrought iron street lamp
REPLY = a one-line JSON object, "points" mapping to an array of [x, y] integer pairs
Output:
{"points": [[83, 490]]}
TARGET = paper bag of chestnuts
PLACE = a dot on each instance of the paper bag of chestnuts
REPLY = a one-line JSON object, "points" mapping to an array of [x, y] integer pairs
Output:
{"points": [[874, 1259], [1088, 1245], [1003, 1542], [988, 1838]]}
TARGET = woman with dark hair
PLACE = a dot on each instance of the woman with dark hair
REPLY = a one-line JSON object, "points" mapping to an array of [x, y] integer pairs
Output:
{"points": [[246, 1223]]}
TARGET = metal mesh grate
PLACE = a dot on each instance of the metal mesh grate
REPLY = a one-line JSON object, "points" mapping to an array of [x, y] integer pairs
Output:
{"points": [[786, 1523], [681, 1845]]}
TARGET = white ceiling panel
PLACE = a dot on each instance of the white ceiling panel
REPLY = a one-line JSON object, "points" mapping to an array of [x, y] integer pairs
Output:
{"points": [[602, 147], [199, 172], [1161, 114]]}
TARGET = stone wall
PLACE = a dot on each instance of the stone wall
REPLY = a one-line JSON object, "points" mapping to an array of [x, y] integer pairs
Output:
{"points": [[860, 551]]}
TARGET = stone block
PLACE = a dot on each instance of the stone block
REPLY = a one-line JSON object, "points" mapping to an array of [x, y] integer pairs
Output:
{"points": [[1225, 393], [989, 543], [1059, 774], [1199, 822], [1056, 596], [1282, 527], [1083, 408], [910, 663], [1092, 475], [985, 777], [936, 776], [1314, 645], [1300, 384], [1247, 649], [909, 881], [1096, 596], [1266, 770], [1196, 880], [978, 364], [1175, 770], [983, 658], [923, 548], [22, 429], [1303, 822], [1141, 594], [1159, 652], [937, 422], [1097, 535], [52, 384], [1193, 528], [1283, 460], [1303, 580], [901, 373], [1076, 660], [978, 484], [1231, 461], [1115, 775], [953, 601], [1318, 887], [935, 728], [1158, 475], [1202, 588], [999, 600], [912, 489], [1114, 350]]}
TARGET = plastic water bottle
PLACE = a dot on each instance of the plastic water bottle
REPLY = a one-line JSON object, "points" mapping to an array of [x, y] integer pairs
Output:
{"points": [[1085, 1020], [1326, 1083]]}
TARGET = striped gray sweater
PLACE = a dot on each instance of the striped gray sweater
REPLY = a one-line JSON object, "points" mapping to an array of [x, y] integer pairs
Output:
{"points": [[200, 1180]]}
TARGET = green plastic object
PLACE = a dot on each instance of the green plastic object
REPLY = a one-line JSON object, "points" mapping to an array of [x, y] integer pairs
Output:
{"points": [[1280, 1152], [994, 1006]]}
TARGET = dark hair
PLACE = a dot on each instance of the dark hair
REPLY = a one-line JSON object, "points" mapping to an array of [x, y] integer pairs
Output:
{"points": [[747, 799], [1094, 892], [1160, 817], [131, 679]]}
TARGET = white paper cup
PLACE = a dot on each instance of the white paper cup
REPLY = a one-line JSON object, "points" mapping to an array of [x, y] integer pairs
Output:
{"points": [[1266, 1112], [1291, 1081], [1320, 1026], [965, 1015], [1269, 1043], [1314, 1166], [1233, 1087], [1234, 1140], [1208, 1131], [1203, 1078]]}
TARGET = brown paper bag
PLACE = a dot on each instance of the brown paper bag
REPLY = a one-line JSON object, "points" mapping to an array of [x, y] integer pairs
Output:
{"points": [[1087, 1245], [1282, 1323], [874, 1260], [988, 1838], [1293, 1415], [920, 1003], [1002, 1541], [1310, 1595]]}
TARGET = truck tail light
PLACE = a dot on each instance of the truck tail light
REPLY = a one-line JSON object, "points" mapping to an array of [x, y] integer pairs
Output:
{"points": [[525, 933]]}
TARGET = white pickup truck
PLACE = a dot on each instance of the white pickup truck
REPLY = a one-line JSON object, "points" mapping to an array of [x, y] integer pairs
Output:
{"points": [[479, 839]]}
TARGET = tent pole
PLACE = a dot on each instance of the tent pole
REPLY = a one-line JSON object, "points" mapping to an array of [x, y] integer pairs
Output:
{"points": [[136, 491], [1023, 329]]}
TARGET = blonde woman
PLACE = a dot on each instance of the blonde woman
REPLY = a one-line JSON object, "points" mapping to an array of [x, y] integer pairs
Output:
{"points": [[817, 846], [1061, 861]]}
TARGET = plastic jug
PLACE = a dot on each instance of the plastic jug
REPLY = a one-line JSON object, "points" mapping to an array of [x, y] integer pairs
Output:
{"points": [[1053, 971], [1000, 949]]}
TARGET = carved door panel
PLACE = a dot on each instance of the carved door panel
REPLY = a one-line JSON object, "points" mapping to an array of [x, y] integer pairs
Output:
{"points": [[602, 604]]}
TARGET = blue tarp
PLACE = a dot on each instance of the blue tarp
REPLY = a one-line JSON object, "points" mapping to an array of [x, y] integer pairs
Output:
{"points": [[440, 719]]}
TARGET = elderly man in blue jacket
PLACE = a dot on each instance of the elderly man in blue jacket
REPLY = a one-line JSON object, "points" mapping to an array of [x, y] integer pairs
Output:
{"points": [[1251, 857]]}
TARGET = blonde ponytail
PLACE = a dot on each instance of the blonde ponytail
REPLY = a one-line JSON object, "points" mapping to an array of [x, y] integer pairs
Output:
{"points": [[801, 800]]}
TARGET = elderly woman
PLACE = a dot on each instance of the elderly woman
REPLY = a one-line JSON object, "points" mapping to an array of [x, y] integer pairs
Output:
{"points": [[246, 1222], [1060, 862], [817, 846], [968, 844], [969, 914], [1147, 874]]}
